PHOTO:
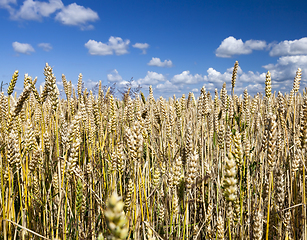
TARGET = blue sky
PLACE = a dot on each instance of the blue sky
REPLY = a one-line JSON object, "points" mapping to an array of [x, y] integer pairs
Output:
{"points": [[175, 46]]}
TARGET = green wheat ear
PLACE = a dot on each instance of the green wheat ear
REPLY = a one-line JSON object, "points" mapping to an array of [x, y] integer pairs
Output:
{"points": [[117, 221], [143, 97], [100, 237]]}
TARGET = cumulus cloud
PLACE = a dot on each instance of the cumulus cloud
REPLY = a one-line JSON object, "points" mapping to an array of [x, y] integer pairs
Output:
{"points": [[167, 87], [254, 82], [141, 46], [45, 46], [157, 62], [232, 46], [252, 88], [283, 73], [180, 83], [24, 48], [114, 76], [119, 46], [215, 79], [6, 4], [286, 67], [123, 84], [186, 78], [114, 45], [72, 15], [218, 78], [250, 76], [151, 78], [90, 84], [76, 15], [288, 48], [35, 10], [98, 48]]}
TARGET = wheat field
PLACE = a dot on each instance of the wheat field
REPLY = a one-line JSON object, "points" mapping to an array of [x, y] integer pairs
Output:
{"points": [[92, 166]]}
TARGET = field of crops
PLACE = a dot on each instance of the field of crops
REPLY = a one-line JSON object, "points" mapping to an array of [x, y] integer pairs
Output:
{"points": [[91, 166]]}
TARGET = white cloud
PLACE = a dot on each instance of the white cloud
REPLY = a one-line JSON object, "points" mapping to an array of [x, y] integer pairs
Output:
{"points": [[24, 48], [73, 14], [118, 45], [286, 48], [35, 10], [167, 87], [215, 79], [6, 4], [232, 46], [283, 73], [60, 84], [186, 78], [209, 86], [151, 78], [253, 81], [255, 44], [250, 76], [252, 88], [76, 15], [115, 44], [218, 78], [286, 67], [98, 48], [230, 70], [141, 46], [45, 46], [90, 84], [124, 83], [157, 62], [114, 76]]}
